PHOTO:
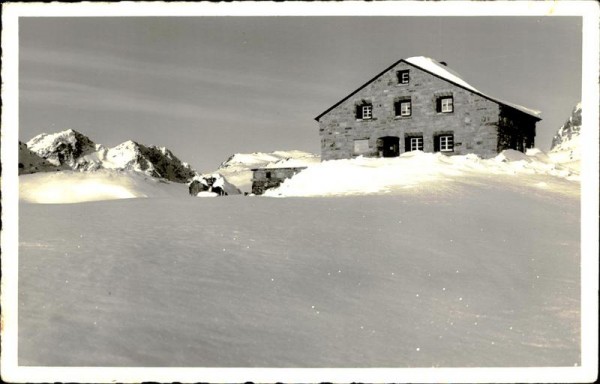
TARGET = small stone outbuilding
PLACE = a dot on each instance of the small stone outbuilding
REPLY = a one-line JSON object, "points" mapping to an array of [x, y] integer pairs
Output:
{"points": [[420, 104], [267, 178]]}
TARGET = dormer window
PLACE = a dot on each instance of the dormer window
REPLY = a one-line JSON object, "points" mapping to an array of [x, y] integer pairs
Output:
{"points": [[364, 111], [445, 104], [403, 76]]}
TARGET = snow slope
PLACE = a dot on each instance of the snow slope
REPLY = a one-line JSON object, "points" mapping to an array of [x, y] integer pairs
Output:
{"points": [[30, 162], [237, 169], [76, 187], [474, 271], [414, 169]]}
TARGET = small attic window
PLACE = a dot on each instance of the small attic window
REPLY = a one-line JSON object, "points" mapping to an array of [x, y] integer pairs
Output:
{"points": [[403, 76], [364, 111]]}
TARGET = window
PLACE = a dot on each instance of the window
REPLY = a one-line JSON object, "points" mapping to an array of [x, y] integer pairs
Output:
{"points": [[361, 146], [364, 111], [268, 175], [367, 111], [445, 104], [403, 77], [403, 107], [413, 143], [416, 144], [444, 143]]}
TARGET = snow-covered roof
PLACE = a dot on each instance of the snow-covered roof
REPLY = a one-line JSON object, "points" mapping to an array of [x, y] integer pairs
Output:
{"points": [[442, 71]]}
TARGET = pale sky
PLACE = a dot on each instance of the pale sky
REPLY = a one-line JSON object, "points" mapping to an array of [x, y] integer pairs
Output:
{"points": [[209, 87]]}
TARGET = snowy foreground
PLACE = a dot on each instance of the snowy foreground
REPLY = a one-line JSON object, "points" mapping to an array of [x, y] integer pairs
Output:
{"points": [[461, 269]]}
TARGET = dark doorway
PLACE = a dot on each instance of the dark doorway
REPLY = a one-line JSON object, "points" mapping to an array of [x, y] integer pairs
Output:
{"points": [[388, 146]]}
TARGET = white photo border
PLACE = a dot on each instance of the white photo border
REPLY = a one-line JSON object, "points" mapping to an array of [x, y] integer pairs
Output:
{"points": [[587, 372]]}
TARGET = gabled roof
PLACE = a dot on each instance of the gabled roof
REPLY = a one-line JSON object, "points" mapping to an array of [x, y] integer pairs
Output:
{"points": [[441, 71]]}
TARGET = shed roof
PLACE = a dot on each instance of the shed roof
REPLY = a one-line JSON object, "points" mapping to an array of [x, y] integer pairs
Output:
{"points": [[441, 71]]}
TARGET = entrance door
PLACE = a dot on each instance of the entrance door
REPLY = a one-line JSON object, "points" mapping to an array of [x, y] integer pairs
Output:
{"points": [[388, 146]]}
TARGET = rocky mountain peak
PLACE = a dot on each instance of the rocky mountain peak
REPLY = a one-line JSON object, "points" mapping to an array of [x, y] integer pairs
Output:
{"points": [[76, 151], [62, 148], [569, 131]]}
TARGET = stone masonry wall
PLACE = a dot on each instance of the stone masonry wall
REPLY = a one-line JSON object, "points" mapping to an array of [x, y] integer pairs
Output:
{"points": [[473, 122], [267, 178]]}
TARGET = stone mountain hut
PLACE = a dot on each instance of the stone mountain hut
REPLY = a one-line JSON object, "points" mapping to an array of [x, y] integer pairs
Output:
{"points": [[420, 104], [271, 177]]}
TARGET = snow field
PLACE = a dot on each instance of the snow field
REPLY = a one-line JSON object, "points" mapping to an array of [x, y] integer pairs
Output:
{"points": [[76, 187], [479, 271]]}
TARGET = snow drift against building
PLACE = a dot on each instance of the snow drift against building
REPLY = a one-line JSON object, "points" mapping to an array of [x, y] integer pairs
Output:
{"points": [[363, 176]]}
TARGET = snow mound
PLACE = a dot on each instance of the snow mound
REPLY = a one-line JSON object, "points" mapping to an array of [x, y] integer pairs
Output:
{"points": [[363, 176], [238, 168], [67, 187], [213, 185]]}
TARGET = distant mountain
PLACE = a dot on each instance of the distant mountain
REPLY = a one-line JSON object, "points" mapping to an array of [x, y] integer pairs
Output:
{"points": [[62, 148], [153, 161], [237, 169], [567, 137], [76, 151], [30, 162]]}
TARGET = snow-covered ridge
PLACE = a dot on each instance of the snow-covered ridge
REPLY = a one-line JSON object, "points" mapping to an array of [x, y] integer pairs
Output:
{"points": [[262, 159], [76, 151], [363, 176]]}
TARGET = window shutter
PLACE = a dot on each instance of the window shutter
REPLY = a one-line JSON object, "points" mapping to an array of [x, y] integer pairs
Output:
{"points": [[438, 104], [406, 144], [397, 108], [436, 143], [359, 111]]}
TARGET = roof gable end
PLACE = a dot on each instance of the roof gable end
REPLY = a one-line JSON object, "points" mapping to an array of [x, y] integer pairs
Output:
{"points": [[440, 71]]}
